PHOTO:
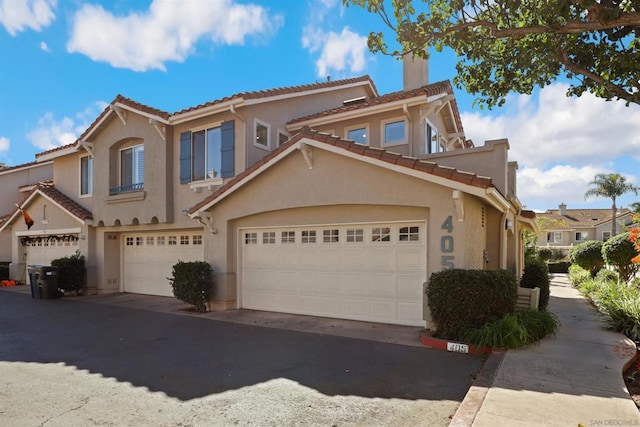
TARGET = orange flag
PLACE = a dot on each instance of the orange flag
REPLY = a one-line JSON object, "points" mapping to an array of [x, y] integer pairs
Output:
{"points": [[27, 218]]}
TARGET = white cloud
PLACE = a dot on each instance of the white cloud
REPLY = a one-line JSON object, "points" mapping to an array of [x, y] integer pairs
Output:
{"points": [[338, 52], [44, 47], [551, 128], [561, 143], [51, 133], [4, 144], [18, 15], [167, 31]]}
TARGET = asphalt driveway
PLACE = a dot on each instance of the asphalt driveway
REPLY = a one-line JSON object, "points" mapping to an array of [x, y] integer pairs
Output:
{"points": [[69, 363]]}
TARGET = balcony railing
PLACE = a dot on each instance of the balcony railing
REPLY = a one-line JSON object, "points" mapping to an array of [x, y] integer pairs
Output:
{"points": [[126, 188]]}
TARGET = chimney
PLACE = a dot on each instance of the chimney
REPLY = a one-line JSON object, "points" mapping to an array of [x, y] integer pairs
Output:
{"points": [[563, 209], [415, 72]]}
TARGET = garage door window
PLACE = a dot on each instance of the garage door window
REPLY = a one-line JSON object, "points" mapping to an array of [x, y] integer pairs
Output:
{"points": [[331, 236], [197, 239], [150, 240], [308, 236], [269, 238], [251, 238], [288, 237], [381, 234], [409, 234], [160, 241], [355, 235], [129, 241], [184, 240], [173, 241]]}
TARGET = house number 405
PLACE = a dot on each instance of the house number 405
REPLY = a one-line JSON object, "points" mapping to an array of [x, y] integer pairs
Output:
{"points": [[446, 244]]}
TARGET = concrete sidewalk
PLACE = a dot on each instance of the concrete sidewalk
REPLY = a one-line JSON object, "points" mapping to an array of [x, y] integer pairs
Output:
{"points": [[572, 379]]}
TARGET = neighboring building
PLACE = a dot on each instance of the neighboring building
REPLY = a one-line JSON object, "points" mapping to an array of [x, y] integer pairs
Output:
{"points": [[564, 228], [324, 199]]}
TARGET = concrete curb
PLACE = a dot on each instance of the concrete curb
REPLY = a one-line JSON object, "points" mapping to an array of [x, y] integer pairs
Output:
{"points": [[472, 402]]}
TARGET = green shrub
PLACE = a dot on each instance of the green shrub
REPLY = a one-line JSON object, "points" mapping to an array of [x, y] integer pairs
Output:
{"points": [[588, 255], [536, 275], [544, 254], [605, 275], [617, 252], [513, 331], [191, 282], [538, 323], [461, 300], [559, 267], [72, 272], [577, 275], [621, 304]]}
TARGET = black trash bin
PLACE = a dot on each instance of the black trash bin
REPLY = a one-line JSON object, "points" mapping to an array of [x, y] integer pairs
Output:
{"points": [[33, 280], [48, 282]]}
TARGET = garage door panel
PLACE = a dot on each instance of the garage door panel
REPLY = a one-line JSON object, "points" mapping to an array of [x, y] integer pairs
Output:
{"points": [[148, 259], [383, 286], [344, 271]]}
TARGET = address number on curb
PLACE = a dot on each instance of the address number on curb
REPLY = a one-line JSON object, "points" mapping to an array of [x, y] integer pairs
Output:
{"points": [[457, 347]]}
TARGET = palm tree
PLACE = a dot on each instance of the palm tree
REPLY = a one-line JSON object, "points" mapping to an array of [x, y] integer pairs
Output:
{"points": [[635, 207], [611, 185]]}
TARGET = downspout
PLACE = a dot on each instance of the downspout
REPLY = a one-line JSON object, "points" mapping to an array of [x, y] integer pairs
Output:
{"points": [[503, 240], [405, 110]]}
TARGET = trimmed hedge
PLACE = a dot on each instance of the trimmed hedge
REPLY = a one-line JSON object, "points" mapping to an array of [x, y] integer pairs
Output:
{"points": [[192, 283], [588, 255], [536, 275], [72, 272], [461, 300], [618, 252], [559, 267]]}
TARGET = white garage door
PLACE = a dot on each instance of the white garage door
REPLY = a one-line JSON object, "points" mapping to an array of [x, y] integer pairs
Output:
{"points": [[43, 251], [371, 272], [149, 258]]}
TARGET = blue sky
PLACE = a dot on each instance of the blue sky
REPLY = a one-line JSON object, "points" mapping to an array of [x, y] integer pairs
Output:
{"points": [[61, 62]]}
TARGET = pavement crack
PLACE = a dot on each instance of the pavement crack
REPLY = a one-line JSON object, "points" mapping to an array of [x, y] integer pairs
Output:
{"points": [[84, 401]]}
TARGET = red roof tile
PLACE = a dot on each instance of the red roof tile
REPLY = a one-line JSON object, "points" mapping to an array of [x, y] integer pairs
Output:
{"points": [[378, 153], [282, 91], [428, 90]]}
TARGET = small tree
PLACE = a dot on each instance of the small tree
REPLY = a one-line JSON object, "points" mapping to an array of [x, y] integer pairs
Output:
{"points": [[588, 255], [192, 283], [545, 254], [619, 252], [536, 275]]}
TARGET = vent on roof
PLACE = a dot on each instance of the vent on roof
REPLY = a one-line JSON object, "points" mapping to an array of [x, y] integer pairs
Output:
{"points": [[352, 101]]}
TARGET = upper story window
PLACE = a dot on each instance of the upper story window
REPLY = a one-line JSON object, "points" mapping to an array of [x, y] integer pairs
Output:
{"points": [[207, 153], [86, 176], [282, 137], [433, 140], [606, 235], [206, 147], [554, 237], [394, 132], [262, 135], [358, 134], [131, 169], [582, 236]]}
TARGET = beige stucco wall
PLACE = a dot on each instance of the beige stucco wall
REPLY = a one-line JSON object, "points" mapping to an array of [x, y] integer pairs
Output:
{"points": [[341, 190], [11, 180]]}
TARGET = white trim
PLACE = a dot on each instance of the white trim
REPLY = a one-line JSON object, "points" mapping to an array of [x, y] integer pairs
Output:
{"points": [[262, 100], [142, 113], [205, 111], [383, 133], [364, 126], [56, 153], [490, 194], [11, 169], [49, 232], [215, 124], [257, 122]]}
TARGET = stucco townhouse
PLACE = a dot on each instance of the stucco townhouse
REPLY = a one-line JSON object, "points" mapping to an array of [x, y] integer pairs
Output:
{"points": [[324, 199]]}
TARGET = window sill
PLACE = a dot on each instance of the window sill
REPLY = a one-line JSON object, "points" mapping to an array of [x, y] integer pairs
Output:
{"points": [[262, 147], [207, 183], [134, 196]]}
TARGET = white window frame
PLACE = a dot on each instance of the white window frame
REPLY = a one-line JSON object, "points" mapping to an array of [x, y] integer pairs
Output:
{"points": [[208, 181], [89, 175], [257, 122], [383, 133], [438, 139], [364, 126], [134, 163], [556, 237], [282, 133], [581, 236]]}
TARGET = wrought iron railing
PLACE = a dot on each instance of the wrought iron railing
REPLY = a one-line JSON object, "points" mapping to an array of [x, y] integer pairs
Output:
{"points": [[126, 188]]}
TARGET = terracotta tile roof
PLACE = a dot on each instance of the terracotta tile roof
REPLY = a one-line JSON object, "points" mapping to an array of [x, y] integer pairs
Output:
{"points": [[68, 204], [24, 165], [282, 91], [580, 218], [377, 153], [528, 214], [428, 90], [118, 99]]}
